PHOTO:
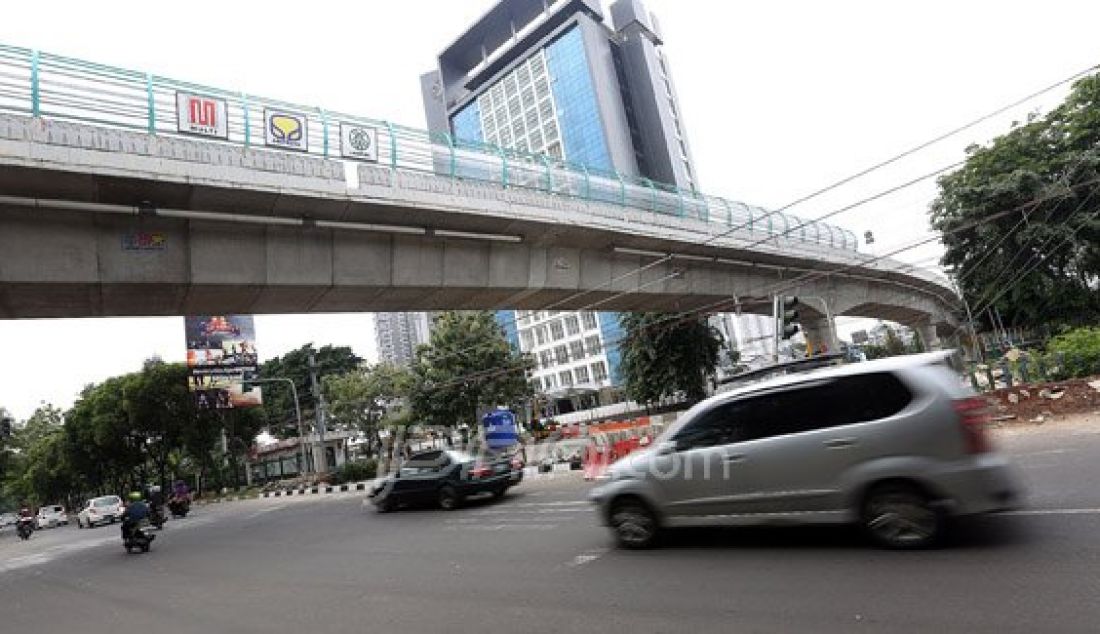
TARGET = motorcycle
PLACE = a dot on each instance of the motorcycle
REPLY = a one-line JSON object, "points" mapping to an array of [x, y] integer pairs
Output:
{"points": [[179, 506], [25, 528], [133, 538], [157, 517]]}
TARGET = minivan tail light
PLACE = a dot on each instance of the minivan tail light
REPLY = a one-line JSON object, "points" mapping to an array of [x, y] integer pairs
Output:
{"points": [[480, 471], [973, 419]]}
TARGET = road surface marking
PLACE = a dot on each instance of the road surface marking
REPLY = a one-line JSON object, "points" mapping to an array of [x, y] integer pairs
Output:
{"points": [[587, 557], [1053, 512], [502, 527], [263, 511]]}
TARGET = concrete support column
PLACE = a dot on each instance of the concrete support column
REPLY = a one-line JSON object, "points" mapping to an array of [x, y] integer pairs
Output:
{"points": [[819, 335], [928, 336]]}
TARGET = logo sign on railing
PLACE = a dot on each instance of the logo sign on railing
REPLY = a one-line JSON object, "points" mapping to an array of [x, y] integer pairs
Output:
{"points": [[358, 142], [201, 115], [287, 130]]}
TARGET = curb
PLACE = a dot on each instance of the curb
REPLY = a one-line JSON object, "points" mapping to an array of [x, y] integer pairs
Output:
{"points": [[318, 490]]}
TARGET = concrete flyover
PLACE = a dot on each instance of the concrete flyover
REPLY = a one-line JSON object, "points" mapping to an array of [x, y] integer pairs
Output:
{"points": [[96, 221]]}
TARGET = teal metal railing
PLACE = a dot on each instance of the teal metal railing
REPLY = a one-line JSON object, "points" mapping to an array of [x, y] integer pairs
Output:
{"points": [[57, 87]]}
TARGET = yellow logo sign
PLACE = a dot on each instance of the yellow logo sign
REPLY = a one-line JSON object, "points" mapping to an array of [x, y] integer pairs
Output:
{"points": [[286, 130]]}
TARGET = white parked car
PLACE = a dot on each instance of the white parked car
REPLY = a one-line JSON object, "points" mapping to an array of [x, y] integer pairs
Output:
{"points": [[7, 519], [51, 516], [102, 510]]}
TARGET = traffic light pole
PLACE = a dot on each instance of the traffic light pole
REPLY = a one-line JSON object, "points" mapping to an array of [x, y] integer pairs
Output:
{"points": [[777, 327]]}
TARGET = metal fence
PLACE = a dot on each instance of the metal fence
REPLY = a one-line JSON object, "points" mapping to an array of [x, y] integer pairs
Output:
{"points": [[46, 85]]}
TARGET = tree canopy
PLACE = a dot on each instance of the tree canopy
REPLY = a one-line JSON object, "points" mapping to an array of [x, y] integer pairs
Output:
{"points": [[664, 355], [1039, 266], [123, 433], [468, 365], [367, 398], [294, 365]]}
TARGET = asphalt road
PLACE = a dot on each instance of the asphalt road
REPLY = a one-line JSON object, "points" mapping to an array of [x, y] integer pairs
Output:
{"points": [[537, 562]]}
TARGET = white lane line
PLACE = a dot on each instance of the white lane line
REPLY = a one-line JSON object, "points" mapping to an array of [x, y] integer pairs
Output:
{"points": [[1095, 511], [554, 504], [527, 512], [263, 511], [1045, 452], [502, 527], [587, 557]]}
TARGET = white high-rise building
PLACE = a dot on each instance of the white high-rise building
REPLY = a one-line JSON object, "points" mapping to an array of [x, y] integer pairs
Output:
{"points": [[399, 334], [569, 349], [751, 335]]}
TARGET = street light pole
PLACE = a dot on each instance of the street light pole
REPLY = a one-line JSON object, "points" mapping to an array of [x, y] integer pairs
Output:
{"points": [[297, 414]]}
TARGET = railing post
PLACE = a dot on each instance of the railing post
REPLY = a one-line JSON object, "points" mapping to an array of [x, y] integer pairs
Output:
{"points": [[587, 184], [247, 121], [451, 145], [706, 205], [680, 200], [622, 188], [729, 213], [36, 101], [393, 145], [324, 131], [503, 166], [652, 194], [152, 109], [549, 176]]}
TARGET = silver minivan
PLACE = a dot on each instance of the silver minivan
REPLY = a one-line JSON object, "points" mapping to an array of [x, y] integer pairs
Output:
{"points": [[898, 445]]}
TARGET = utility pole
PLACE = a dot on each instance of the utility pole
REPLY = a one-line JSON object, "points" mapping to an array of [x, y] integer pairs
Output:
{"points": [[319, 398]]}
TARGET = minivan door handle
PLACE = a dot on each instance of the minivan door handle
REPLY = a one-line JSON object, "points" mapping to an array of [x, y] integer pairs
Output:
{"points": [[840, 443], [735, 457]]}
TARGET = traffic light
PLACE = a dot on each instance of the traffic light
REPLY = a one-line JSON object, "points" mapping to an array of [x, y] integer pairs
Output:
{"points": [[788, 315]]}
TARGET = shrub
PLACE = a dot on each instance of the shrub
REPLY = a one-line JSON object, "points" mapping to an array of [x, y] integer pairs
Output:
{"points": [[356, 471], [1080, 350]]}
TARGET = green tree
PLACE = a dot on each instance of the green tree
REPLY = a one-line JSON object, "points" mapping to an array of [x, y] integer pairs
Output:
{"points": [[365, 399], [663, 355], [294, 365], [1049, 166], [468, 365]]}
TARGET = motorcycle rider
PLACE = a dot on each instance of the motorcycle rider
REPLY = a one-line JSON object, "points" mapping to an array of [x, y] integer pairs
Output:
{"points": [[136, 512], [156, 504], [26, 518]]}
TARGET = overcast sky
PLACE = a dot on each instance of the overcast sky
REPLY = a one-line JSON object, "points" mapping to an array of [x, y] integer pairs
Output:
{"points": [[779, 98]]}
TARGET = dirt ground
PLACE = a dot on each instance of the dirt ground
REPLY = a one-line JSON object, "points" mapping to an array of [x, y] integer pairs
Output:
{"points": [[1040, 403]]}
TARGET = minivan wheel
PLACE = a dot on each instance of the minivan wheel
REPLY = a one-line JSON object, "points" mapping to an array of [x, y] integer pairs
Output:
{"points": [[901, 516], [634, 524]]}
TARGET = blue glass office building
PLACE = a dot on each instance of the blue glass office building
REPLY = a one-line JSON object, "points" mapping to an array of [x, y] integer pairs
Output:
{"points": [[555, 78]]}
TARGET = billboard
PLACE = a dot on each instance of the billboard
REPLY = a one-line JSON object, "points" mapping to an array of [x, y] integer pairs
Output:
{"points": [[287, 130], [500, 429], [201, 115], [221, 356], [358, 142]]}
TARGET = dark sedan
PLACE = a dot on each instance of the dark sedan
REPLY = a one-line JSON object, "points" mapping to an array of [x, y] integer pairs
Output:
{"points": [[446, 478]]}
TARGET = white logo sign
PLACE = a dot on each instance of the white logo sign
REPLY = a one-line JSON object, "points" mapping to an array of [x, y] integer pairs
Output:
{"points": [[358, 142], [288, 130], [205, 116]]}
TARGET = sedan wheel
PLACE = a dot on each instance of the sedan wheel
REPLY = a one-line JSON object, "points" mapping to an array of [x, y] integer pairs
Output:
{"points": [[902, 517], [635, 526], [448, 498]]}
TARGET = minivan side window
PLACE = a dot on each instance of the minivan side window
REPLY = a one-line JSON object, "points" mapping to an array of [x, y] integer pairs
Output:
{"points": [[825, 404], [721, 425]]}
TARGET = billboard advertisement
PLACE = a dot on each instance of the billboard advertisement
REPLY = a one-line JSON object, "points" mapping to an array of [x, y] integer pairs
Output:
{"points": [[358, 142], [201, 115], [221, 356], [287, 130]]}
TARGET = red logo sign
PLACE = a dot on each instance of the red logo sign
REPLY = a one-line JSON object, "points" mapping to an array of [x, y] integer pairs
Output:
{"points": [[203, 112], [202, 115]]}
